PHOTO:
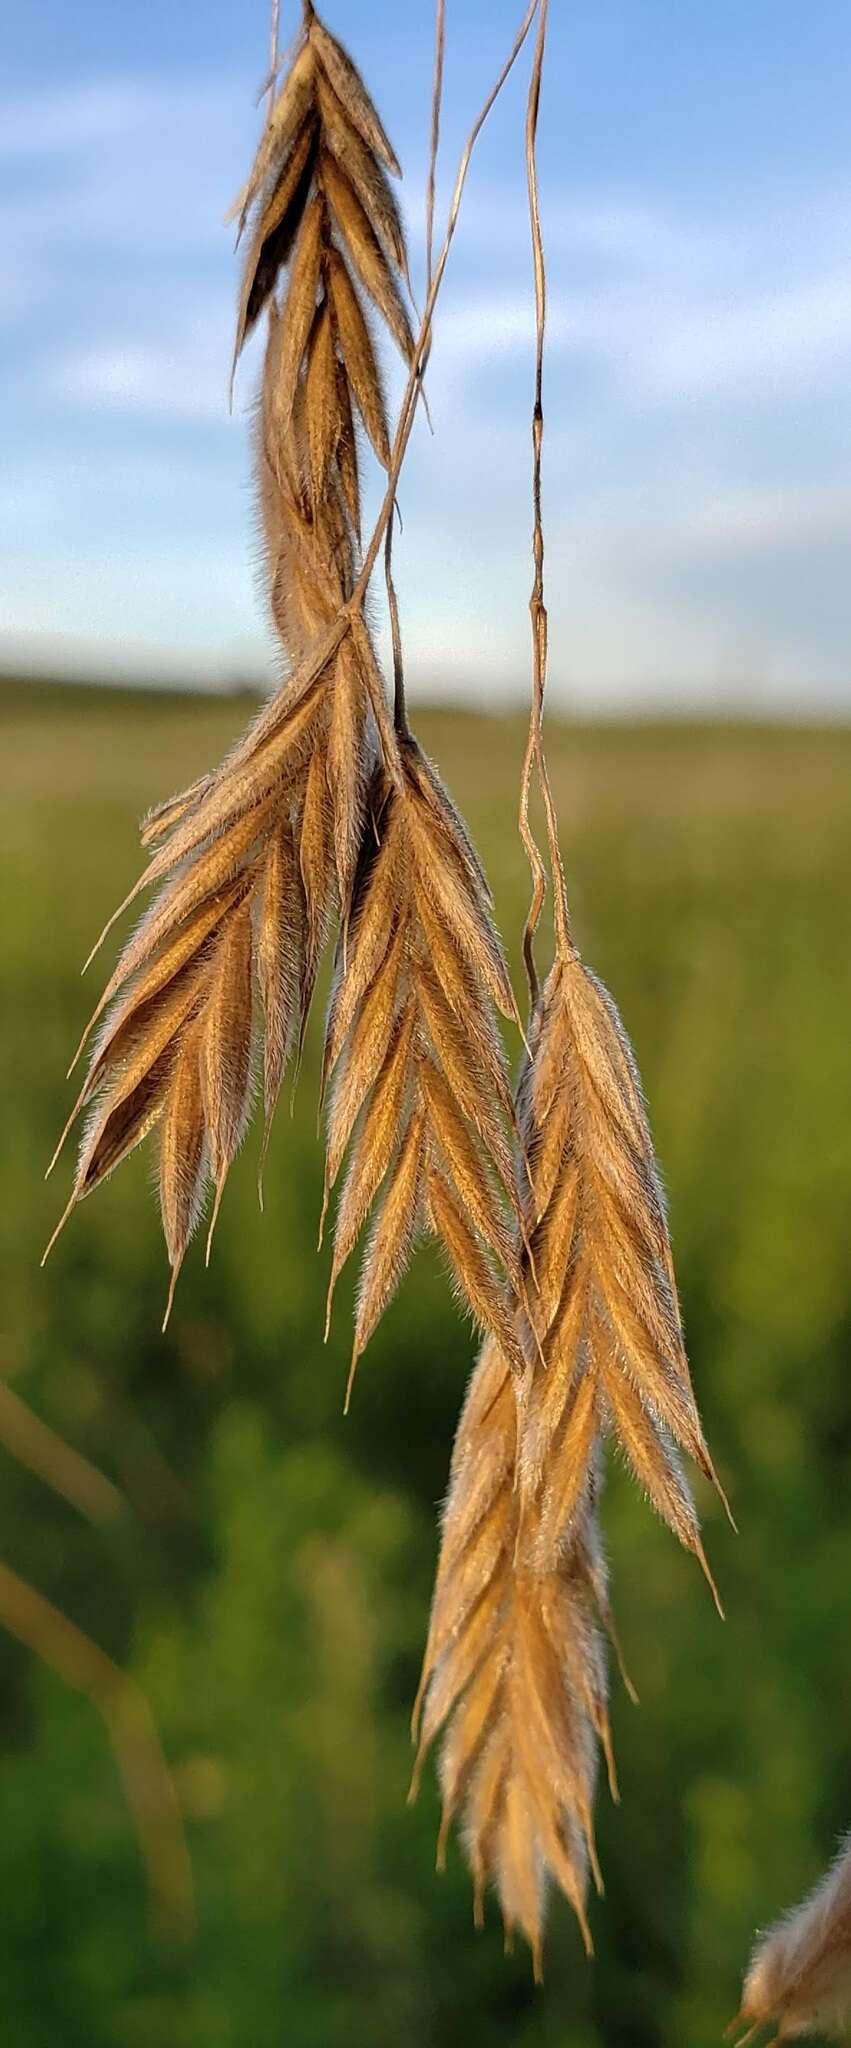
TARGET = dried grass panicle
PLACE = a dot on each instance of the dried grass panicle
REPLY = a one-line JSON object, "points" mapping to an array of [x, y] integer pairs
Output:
{"points": [[608, 1317], [318, 197], [416, 1061], [799, 1977], [514, 1666], [326, 806], [222, 951], [515, 1674], [252, 861]]}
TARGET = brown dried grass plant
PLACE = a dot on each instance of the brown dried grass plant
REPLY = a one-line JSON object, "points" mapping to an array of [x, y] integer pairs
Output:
{"points": [[419, 1064], [798, 1981], [514, 1668], [251, 861], [546, 1202], [49, 1634]]}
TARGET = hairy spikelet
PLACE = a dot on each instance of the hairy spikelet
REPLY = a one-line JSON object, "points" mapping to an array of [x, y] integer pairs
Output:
{"points": [[799, 1977], [607, 1317], [420, 1097], [319, 201], [548, 1207], [310, 556], [515, 1674], [318, 194], [224, 947], [227, 952], [250, 863]]}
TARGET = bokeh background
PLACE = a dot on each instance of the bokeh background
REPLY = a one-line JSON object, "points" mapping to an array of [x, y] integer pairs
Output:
{"points": [[260, 1566], [695, 179]]}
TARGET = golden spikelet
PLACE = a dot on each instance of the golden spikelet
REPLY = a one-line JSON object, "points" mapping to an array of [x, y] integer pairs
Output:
{"points": [[228, 951], [607, 1314], [310, 543], [318, 192], [349, 87], [515, 1674], [232, 920], [357, 356], [548, 1209], [420, 1095], [319, 199], [251, 861], [799, 1976]]}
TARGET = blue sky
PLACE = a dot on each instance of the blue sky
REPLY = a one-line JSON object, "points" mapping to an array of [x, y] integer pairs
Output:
{"points": [[696, 191]]}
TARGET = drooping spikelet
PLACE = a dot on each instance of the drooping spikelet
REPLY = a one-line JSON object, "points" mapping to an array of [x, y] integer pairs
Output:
{"points": [[515, 1672], [225, 941], [514, 1663], [419, 1069], [608, 1321], [311, 562], [252, 860], [799, 1976], [318, 198]]}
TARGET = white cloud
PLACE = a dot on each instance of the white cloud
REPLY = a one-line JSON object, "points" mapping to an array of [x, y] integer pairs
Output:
{"points": [[66, 121], [63, 119], [608, 227], [663, 534], [760, 520], [670, 307], [180, 382], [761, 341], [674, 308], [665, 346], [129, 172]]}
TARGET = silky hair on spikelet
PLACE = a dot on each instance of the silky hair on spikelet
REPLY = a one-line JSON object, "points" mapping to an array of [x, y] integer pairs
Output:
{"points": [[607, 1312], [253, 861], [545, 1201], [514, 1674], [799, 1976], [419, 1090]]}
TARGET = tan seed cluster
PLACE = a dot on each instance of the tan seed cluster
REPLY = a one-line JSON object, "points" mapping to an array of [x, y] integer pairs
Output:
{"points": [[253, 860], [799, 1977], [547, 1203]]}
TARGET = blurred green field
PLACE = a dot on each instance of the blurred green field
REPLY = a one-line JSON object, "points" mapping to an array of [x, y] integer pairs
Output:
{"points": [[268, 1580]]}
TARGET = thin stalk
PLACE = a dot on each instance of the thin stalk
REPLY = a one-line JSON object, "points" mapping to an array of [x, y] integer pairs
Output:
{"points": [[325, 646], [37, 1446], [399, 707], [269, 85], [273, 50], [400, 715], [424, 343], [348, 617], [436, 100], [537, 608], [411, 393], [148, 1785]]}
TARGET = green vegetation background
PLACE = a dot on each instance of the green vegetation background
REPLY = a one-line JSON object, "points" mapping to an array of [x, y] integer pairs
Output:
{"points": [[268, 1583]]}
